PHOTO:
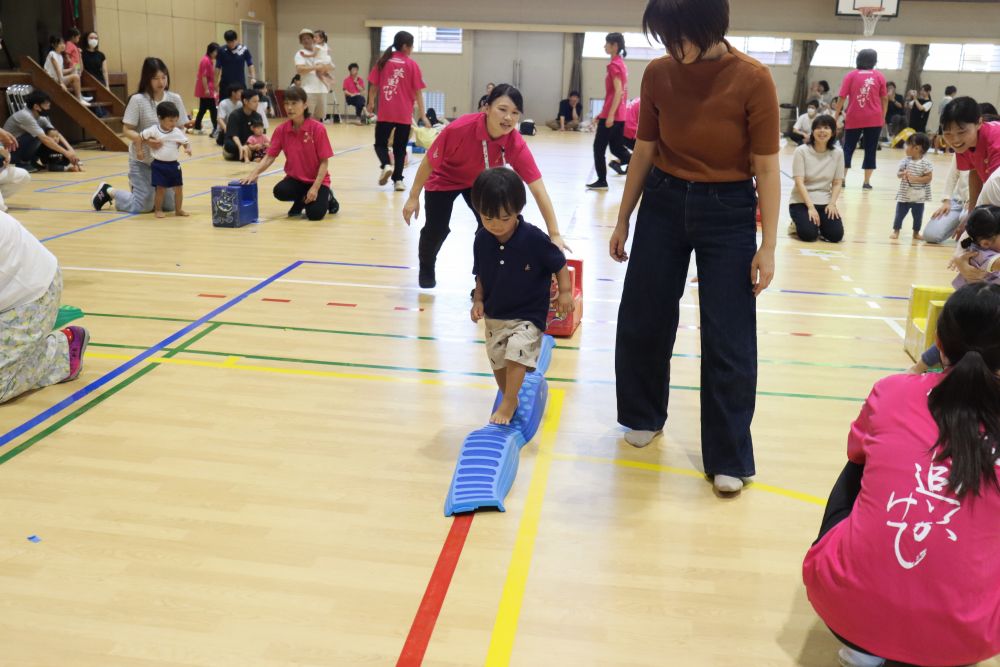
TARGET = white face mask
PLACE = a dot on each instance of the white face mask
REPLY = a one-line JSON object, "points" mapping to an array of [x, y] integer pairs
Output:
{"points": [[811, 112], [92, 43]]}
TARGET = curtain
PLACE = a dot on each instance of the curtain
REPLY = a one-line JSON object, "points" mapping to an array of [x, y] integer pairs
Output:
{"points": [[918, 58], [375, 38], [808, 50], [576, 73]]}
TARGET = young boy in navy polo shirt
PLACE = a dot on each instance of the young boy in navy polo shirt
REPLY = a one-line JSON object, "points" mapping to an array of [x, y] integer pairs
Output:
{"points": [[513, 263]]}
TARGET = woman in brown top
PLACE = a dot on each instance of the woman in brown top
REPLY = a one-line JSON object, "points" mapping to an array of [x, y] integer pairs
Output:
{"points": [[695, 178]]}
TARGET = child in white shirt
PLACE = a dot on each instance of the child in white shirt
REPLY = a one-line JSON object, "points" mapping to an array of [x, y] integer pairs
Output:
{"points": [[262, 105], [166, 166], [915, 174]]}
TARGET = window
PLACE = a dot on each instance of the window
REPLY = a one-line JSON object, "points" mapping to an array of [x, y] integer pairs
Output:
{"points": [[963, 58], [426, 38], [844, 53], [768, 50], [638, 47]]}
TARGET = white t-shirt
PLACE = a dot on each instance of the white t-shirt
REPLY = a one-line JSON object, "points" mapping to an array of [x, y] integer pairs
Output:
{"points": [[310, 82], [804, 124], [227, 106], [262, 106], [990, 195], [27, 268], [54, 66], [170, 151]]}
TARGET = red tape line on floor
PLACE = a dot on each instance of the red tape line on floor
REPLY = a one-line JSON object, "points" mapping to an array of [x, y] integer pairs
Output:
{"points": [[437, 588]]}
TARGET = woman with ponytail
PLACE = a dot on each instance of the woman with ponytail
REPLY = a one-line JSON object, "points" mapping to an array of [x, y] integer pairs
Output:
{"points": [[398, 83], [611, 121], [905, 567]]}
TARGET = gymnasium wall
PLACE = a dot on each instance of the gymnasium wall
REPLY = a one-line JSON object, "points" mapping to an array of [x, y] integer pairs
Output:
{"points": [[919, 22], [177, 31]]}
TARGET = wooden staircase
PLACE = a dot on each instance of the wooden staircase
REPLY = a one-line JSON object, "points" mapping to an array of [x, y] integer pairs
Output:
{"points": [[104, 130]]}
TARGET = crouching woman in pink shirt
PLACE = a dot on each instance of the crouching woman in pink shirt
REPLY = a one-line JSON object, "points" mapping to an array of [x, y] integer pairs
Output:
{"points": [[906, 565], [307, 156]]}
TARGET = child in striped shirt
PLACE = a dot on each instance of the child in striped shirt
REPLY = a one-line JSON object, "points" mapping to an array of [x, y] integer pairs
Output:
{"points": [[915, 175]]}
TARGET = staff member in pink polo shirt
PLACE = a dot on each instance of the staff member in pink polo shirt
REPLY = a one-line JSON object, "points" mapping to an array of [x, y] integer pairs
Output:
{"points": [[397, 81], [354, 92], [307, 156], [611, 121], [975, 142], [464, 149]]}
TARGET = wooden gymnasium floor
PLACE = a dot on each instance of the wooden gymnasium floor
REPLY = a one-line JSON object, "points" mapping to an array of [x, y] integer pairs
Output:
{"points": [[267, 489]]}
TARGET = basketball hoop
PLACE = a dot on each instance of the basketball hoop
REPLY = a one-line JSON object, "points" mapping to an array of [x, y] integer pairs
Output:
{"points": [[870, 16]]}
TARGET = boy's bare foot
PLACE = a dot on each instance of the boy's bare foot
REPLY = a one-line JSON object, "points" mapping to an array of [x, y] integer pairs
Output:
{"points": [[918, 368], [505, 412], [182, 214], [894, 235], [160, 214], [917, 236]]}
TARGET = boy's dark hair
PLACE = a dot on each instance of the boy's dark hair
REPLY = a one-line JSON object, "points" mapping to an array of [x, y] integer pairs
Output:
{"points": [[250, 93], [497, 192], [867, 59], [72, 32], [703, 23], [988, 112], [54, 41], [297, 94], [574, 92], [823, 121], [813, 103], [259, 85], [825, 85], [510, 91], [965, 403], [927, 88], [352, 66], [233, 88], [36, 97], [983, 223], [618, 40], [230, 36], [167, 110], [890, 83], [921, 141], [960, 111], [950, 90]]}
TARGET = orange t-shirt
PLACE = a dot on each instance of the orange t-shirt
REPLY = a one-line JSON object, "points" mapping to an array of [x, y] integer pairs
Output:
{"points": [[708, 117]]}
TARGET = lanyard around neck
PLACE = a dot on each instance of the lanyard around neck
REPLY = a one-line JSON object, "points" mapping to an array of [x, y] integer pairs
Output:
{"points": [[486, 156]]}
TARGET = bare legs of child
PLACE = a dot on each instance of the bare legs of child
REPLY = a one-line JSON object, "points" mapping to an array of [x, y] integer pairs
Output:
{"points": [[178, 201], [509, 380]]}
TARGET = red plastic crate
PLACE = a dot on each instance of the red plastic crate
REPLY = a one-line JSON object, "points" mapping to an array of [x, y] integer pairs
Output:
{"points": [[564, 328]]}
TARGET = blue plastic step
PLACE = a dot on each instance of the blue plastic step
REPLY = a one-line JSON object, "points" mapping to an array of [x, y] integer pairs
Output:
{"points": [[485, 470], [545, 358], [530, 405]]}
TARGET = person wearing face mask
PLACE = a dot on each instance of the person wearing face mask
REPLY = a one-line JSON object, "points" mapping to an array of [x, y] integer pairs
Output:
{"points": [[464, 149], [140, 115], [818, 170], [803, 125], [94, 61], [39, 144]]}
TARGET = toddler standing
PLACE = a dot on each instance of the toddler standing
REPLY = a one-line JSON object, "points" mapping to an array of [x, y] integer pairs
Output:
{"points": [[915, 173], [514, 265], [166, 167]]}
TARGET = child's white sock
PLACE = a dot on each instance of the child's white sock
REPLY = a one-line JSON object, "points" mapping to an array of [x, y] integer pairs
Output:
{"points": [[640, 438], [851, 658], [727, 484]]}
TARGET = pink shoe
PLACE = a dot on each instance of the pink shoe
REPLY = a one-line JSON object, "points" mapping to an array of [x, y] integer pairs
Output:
{"points": [[78, 338]]}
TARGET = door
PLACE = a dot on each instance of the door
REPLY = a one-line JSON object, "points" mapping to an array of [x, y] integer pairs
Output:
{"points": [[252, 36], [531, 61]]}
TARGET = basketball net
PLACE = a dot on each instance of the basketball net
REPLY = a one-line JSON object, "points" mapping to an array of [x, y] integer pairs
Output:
{"points": [[870, 16]]}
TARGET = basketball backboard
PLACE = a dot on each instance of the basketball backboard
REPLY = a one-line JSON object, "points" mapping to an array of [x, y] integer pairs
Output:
{"points": [[890, 8]]}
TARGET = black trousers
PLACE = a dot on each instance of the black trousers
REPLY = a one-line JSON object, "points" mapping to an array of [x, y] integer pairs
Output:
{"points": [[715, 221], [869, 139], [294, 190], [230, 151], [613, 136], [206, 105], [356, 101], [830, 228], [438, 207], [399, 141]]}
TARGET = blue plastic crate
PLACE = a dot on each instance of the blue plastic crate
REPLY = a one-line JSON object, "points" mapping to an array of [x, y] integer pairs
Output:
{"points": [[234, 205]]}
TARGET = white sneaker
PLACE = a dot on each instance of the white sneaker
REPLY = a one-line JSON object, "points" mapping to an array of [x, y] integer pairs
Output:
{"points": [[727, 484], [385, 175], [87, 98], [851, 658], [640, 439], [398, 186]]}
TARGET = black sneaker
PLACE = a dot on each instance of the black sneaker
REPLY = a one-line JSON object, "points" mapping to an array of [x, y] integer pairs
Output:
{"points": [[866, 186], [296, 209], [616, 167], [598, 185], [101, 198], [334, 206], [426, 279]]}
